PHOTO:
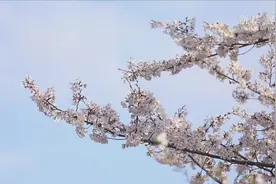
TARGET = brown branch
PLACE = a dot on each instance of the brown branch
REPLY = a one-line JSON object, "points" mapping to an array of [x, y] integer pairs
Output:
{"points": [[234, 80], [207, 172], [171, 145], [233, 161], [231, 47]]}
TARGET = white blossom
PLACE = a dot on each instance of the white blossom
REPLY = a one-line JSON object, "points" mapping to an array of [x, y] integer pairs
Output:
{"points": [[247, 144]]}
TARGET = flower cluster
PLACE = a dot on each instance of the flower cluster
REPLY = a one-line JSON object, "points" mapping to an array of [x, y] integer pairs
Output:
{"points": [[249, 143]]}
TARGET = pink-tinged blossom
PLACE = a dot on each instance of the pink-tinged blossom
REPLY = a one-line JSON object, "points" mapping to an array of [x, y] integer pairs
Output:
{"points": [[249, 143]]}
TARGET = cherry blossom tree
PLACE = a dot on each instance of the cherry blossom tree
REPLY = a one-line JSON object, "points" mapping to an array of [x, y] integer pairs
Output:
{"points": [[247, 147]]}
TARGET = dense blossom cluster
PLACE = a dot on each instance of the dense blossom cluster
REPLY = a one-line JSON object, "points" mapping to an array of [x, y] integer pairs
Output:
{"points": [[249, 144]]}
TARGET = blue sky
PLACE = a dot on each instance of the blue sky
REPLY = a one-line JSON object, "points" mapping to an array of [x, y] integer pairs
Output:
{"points": [[56, 42]]}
